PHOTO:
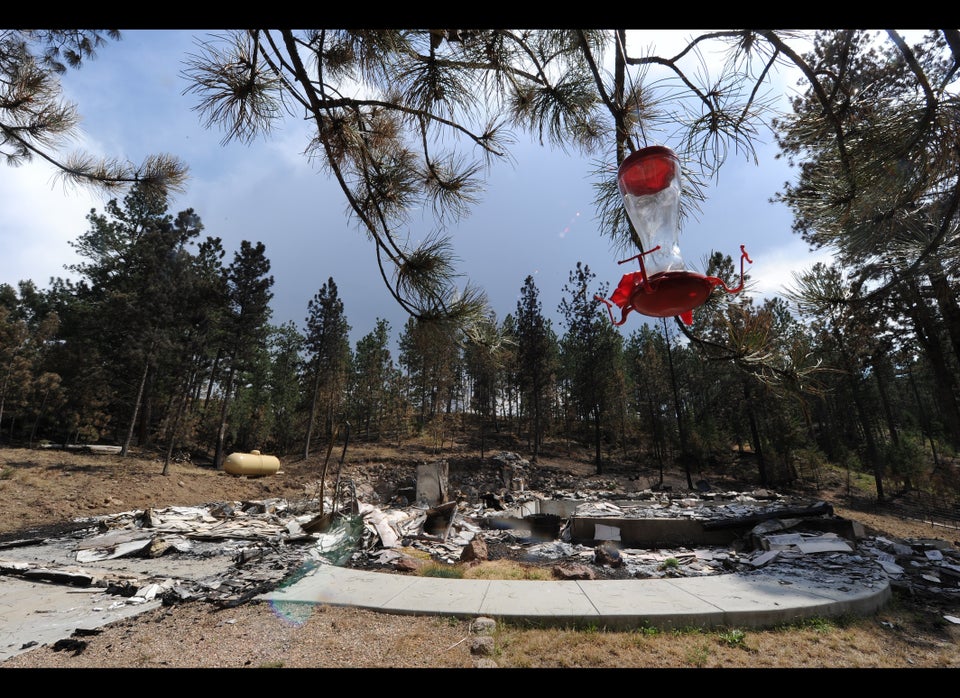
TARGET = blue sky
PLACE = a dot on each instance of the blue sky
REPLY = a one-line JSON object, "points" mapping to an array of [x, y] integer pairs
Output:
{"points": [[535, 217]]}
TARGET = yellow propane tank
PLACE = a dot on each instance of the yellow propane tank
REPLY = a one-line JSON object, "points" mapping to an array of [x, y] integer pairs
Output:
{"points": [[252, 464]]}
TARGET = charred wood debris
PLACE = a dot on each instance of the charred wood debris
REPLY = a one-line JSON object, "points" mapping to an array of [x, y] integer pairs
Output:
{"points": [[377, 522]]}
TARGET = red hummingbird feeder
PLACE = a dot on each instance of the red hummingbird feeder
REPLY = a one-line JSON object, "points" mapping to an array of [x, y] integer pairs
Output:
{"points": [[649, 182]]}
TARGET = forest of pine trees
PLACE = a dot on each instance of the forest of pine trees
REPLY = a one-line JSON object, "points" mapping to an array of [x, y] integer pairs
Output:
{"points": [[166, 343]]}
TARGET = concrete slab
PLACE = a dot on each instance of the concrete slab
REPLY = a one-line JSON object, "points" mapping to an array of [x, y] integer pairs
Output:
{"points": [[432, 595], [539, 601], [340, 586], [732, 600], [648, 603], [766, 600], [37, 613]]}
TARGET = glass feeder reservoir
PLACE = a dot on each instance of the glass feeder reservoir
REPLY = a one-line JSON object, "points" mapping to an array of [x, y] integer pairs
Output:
{"points": [[649, 182]]}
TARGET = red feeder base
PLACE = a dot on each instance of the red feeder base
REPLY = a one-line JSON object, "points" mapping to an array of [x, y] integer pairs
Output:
{"points": [[666, 293], [671, 293]]}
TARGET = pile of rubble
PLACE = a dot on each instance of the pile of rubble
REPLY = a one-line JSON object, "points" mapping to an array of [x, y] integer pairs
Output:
{"points": [[228, 553]]}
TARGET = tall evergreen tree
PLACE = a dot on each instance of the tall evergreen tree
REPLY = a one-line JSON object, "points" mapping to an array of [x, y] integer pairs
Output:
{"points": [[24, 345], [875, 139], [287, 346], [137, 309], [537, 361], [373, 366], [202, 299], [431, 358], [849, 341], [509, 398], [646, 362], [591, 354], [329, 361], [245, 326], [484, 356]]}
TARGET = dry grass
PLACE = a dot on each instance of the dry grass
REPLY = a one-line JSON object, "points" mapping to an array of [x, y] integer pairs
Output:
{"points": [[258, 635], [506, 569], [486, 569], [894, 638]]}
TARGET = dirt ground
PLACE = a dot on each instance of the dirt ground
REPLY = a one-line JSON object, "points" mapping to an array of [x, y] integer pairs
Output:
{"points": [[41, 488]]}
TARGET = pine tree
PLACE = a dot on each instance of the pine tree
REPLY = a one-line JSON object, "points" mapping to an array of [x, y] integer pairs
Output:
{"points": [[329, 358], [245, 324], [35, 121], [373, 366], [591, 355], [537, 361]]}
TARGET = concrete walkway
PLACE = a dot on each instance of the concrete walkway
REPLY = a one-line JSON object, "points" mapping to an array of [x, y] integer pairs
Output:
{"points": [[732, 600], [36, 613]]}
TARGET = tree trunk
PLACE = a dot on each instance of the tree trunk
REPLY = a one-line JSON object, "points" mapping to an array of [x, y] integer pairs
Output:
{"points": [[214, 370], [873, 453], [944, 380], [755, 435], [676, 408], [3, 397], [313, 414], [537, 419], [946, 299], [924, 419], [218, 455], [136, 404], [598, 458], [36, 422], [181, 408], [885, 401], [146, 409], [656, 438]]}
